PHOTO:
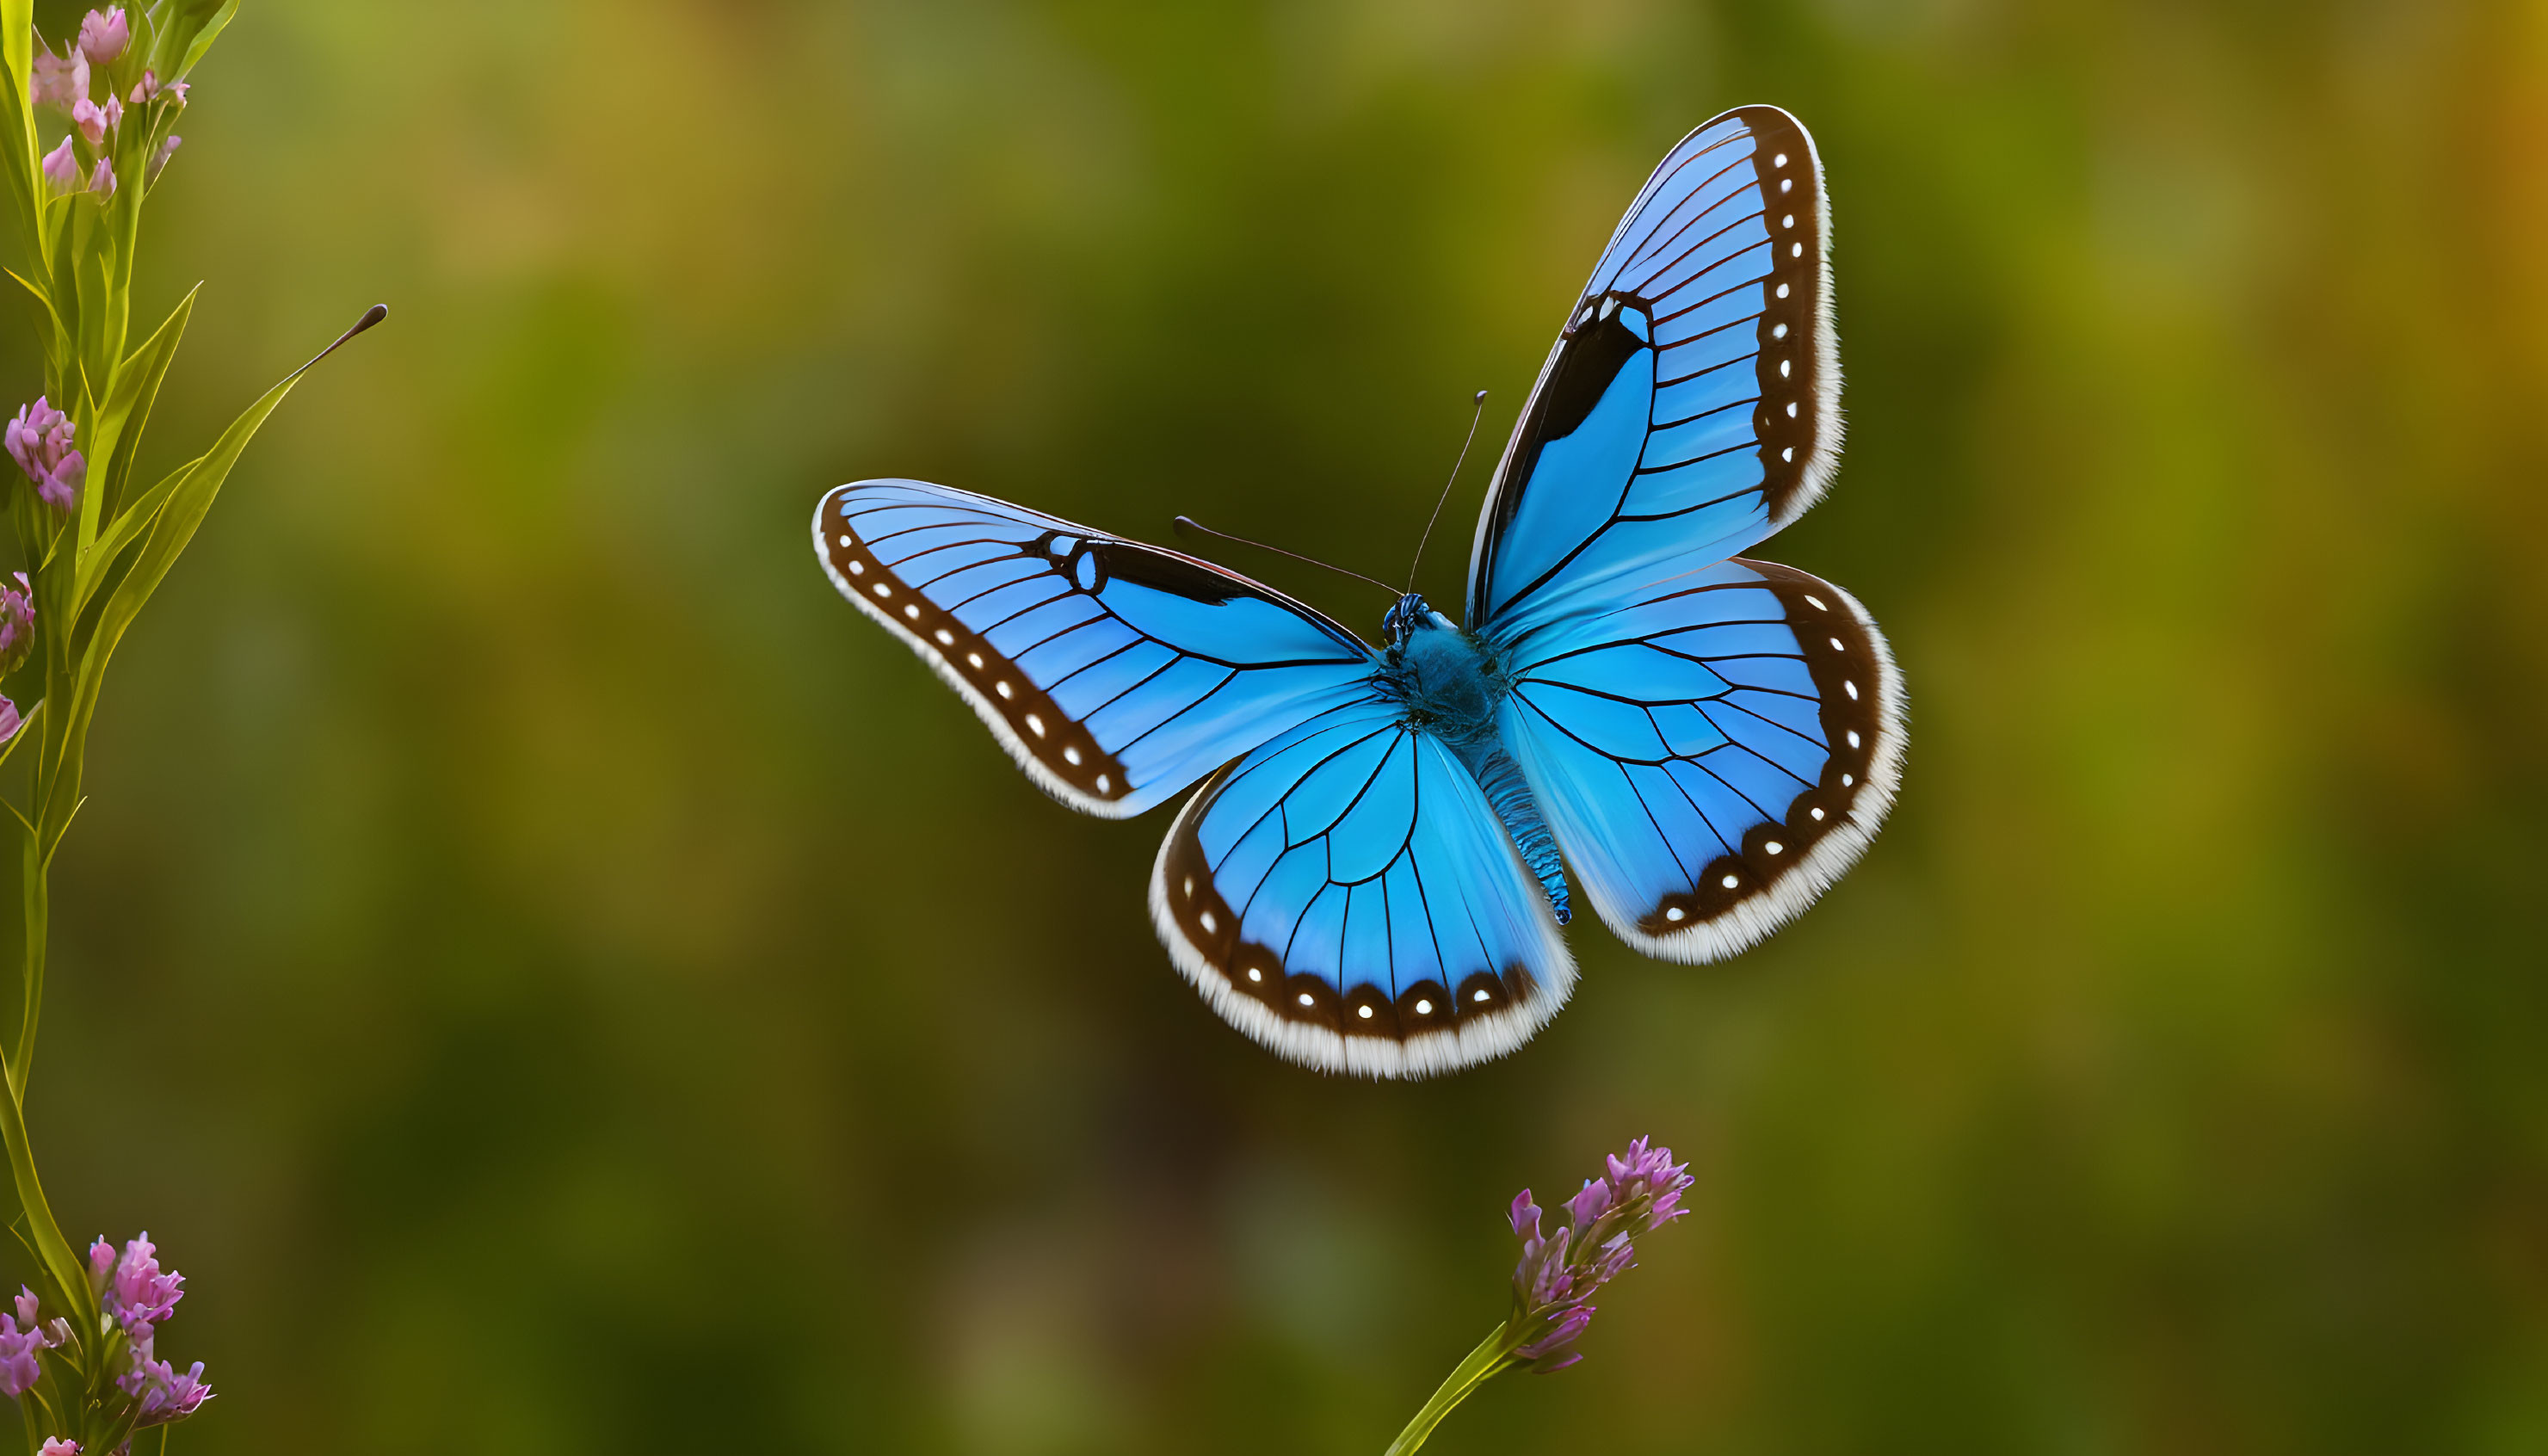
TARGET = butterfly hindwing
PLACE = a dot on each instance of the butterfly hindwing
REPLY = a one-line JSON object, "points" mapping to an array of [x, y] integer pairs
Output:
{"points": [[1116, 674], [1712, 752], [1345, 896], [1691, 405]]}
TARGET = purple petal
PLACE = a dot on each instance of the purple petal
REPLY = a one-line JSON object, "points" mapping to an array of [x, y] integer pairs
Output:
{"points": [[1589, 1203], [1553, 1366], [1525, 1215]]}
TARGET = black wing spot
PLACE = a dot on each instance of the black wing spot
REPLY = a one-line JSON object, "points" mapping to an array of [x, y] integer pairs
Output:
{"points": [[1587, 363], [1162, 571]]}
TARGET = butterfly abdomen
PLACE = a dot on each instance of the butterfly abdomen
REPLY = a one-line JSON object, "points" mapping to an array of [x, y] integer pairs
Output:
{"points": [[1509, 795]]}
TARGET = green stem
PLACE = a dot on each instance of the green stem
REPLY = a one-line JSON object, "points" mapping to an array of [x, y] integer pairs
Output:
{"points": [[47, 1235], [1491, 1357], [33, 878], [59, 751]]}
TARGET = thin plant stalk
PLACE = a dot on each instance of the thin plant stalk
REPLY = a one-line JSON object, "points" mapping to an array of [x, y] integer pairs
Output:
{"points": [[1493, 1356]]}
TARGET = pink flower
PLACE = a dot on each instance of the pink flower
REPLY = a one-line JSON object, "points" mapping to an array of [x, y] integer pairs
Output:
{"points": [[103, 35], [159, 159], [19, 1367], [171, 1396], [62, 168], [10, 721], [142, 1292], [40, 440], [17, 640], [58, 80], [59, 1446], [165, 1396], [1554, 1284], [92, 123], [101, 181]]}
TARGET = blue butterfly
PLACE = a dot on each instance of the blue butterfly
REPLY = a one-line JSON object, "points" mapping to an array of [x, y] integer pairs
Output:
{"points": [[1369, 879]]}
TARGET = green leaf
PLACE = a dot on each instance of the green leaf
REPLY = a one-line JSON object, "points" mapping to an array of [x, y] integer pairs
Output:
{"points": [[42, 296], [207, 19], [25, 730], [190, 497], [18, 40], [184, 499], [129, 526], [128, 403], [25, 179]]}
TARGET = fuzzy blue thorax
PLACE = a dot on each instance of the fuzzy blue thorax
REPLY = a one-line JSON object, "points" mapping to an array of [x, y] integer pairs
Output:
{"points": [[1452, 688]]}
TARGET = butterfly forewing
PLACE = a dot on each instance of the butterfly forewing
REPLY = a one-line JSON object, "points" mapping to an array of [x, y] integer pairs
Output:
{"points": [[1690, 405], [1116, 674]]}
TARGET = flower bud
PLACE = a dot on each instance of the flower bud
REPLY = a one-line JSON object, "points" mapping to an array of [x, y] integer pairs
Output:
{"points": [[1524, 1214], [10, 723], [159, 159], [40, 440], [62, 168], [92, 123], [19, 1367], [103, 35], [57, 80], [142, 1290], [59, 1446], [17, 642], [146, 89], [101, 181]]}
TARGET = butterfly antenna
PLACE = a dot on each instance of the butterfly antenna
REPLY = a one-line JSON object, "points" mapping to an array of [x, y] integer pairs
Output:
{"points": [[1189, 523], [1442, 499]]}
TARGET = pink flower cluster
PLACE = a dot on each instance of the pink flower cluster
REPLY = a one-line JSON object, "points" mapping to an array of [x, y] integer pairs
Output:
{"points": [[133, 1287], [40, 440], [140, 1296], [20, 1337], [17, 644], [63, 81], [1554, 1284]]}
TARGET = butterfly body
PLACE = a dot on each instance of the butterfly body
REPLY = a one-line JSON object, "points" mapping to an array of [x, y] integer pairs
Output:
{"points": [[1370, 878], [1449, 687]]}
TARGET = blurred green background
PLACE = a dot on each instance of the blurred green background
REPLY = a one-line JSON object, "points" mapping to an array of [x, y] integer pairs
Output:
{"points": [[557, 980]]}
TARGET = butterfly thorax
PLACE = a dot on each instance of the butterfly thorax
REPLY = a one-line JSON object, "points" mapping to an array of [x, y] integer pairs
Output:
{"points": [[1444, 676], [1452, 687]]}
